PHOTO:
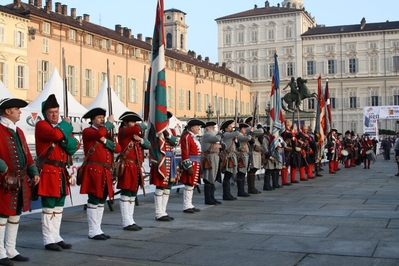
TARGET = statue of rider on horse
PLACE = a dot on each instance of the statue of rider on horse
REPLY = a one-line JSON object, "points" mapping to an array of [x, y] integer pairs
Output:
{"points": [[299, 92]]}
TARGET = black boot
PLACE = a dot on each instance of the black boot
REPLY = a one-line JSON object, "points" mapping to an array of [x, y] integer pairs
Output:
{"points": [[266, 180], [251, 184], [226, 187], [213, 194], [240, 188], [207, 194], [275, 179]]}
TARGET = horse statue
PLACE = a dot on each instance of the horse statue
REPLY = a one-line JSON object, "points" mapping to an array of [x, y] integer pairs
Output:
{"points": [[294, 98]]}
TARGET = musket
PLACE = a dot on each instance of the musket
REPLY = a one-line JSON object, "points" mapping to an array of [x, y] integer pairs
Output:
{"points": [[255, 110], [217, 111], [109, 97], [236, 111], [64, 76]]}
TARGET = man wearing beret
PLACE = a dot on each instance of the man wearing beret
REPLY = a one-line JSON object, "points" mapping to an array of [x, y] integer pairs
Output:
{"points": [[210, 146], [54, 146], [132, 145], [164, 184], [17, 170], [99, 149], [191, 162]]}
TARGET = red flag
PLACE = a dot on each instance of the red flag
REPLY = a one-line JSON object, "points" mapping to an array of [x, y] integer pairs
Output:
{"points": [[327, 99]]}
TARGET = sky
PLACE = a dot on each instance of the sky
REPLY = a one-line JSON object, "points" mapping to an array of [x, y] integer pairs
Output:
{"points": [[201, 14]]}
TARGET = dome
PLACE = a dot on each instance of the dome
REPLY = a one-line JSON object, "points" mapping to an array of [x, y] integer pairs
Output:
{"points": [[295, 4]]}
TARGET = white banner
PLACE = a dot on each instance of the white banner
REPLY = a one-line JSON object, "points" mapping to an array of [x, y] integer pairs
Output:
{"points": [[371, 115]]}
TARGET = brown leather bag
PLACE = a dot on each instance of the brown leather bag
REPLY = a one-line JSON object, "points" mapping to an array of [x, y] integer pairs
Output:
{"points": [[11, 183], [241, 163], [231, 163], [206, 164], [79, 173], [223, 160]]}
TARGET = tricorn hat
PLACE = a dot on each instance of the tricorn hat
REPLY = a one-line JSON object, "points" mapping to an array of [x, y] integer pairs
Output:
{"points": [[130, 116], [347, 132], [248, 120], [241, 125], [209, 123], [195, 122], [94, 112], [169, 114], [226, 123], [51, 102], [7, 103]]}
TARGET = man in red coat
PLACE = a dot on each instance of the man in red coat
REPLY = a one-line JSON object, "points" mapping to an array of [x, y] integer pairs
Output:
{"points": [[99, 149], [16, 168], [54, 146], [367, 147], [164, 183], [132, 145], [191, 162]]}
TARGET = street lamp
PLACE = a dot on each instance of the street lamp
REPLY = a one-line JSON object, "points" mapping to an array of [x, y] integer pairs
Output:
{"points": [[267, 111], [209, 112]]}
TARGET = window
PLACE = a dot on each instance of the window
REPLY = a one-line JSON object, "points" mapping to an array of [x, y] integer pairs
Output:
{"points": [[227, 55], [290, 69], [106, 44], [136, 52], [241, 69], [311, 67], [3, 72], [133, 90], [374, 101], [72, 34], [330, 48], [1, 34], [311, 104], [254, 35], [271, 69], [332, 66], [353, 101], [119, 49], [88, 80], [227, 38], [199, 102], [188, 100], [309, 49], [21, 77], [373, 45], [19, 37], [226, 106], [119, 87], [72, 80], [45, 46], [374, 64], [181, 99], [288, 32], [240, 54], [254, 53], [46, 27], [169, 40], [240, 37], [270, 34], [43, 74], [254, 71], [353, 65], [352, 46], [89, 39], [270, 52], [288, 51], [353, 126], [170, 97], [207, 102], [333, 103], [395, 63], [396, 99]]}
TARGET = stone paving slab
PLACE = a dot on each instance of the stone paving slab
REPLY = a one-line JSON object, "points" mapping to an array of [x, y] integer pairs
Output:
{"points": [[365, 233], [331, 260], [376, 214], [387, 250], [345, 221]]}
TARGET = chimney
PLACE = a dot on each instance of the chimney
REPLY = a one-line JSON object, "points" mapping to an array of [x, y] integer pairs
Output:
{"points": [[199, 57], [267, 4], [118, 28], [79, 19], [73, 12], [139, 36], [17, 3], [148, 40], [217, 64], [31, 2], [207, 59], [58, 7], [255, 6], [278, 4], [127, 32], [86, 17], [224, 65], [64, 9], [193, 54], [49, 5], [38, 3], [362, 23]]}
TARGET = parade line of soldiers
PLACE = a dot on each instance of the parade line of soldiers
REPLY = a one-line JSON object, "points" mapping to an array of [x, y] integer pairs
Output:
{"points": [[234, 152]]}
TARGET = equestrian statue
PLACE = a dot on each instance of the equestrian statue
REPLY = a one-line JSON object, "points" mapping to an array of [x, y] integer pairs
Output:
{"points": [[299, 92]]}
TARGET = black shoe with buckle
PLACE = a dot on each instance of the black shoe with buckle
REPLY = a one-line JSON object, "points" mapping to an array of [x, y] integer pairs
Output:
{"points": [[20, 258], [189, 211], [107, 236], [6, 261], [99, 237], [163, 219], [64, 245], [170, 217], [53, 247], [195, 209]]}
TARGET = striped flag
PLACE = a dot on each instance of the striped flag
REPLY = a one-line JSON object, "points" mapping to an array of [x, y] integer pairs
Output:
{"points": [[155, 98], [328, 106], [320, 127], [276, 113]]}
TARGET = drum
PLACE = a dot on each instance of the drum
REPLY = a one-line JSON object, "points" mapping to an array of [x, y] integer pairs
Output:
{"points": [[344, 155], [298, 149], [369, 155]]}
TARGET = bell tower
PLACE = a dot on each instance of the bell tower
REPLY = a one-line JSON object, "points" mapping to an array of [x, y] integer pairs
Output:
{"points": [[175, 30]]}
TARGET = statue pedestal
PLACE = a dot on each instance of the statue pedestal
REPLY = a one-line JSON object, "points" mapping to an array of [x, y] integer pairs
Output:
{"points": [[305, 117]]}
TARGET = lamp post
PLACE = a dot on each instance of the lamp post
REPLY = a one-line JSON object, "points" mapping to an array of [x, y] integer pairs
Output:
{"points": [[267, 111], [209, 112]]}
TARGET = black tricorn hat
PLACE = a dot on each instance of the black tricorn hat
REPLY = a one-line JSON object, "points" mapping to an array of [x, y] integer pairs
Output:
{"points": [[339, 134], [130, 116], [7, 103], [241, 125], [347, 132], [51, 102], [248, 120], [195, 122], [209, 123], [169, 114], [226, 123], [94, 112], [333, 129]]}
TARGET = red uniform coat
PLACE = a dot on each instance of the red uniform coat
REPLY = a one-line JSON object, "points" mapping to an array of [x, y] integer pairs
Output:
{"points": [[130, 178], [51, 176], [366, 145], [189, 147], [9, 154], [98, 178]]}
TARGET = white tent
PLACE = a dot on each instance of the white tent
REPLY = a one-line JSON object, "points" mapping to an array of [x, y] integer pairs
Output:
{"points": [[4, 92], [33, 112], [118, 108]]}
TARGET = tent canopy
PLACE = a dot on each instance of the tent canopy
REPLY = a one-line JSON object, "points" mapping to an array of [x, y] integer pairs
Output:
{"points": [[4, 92]]}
